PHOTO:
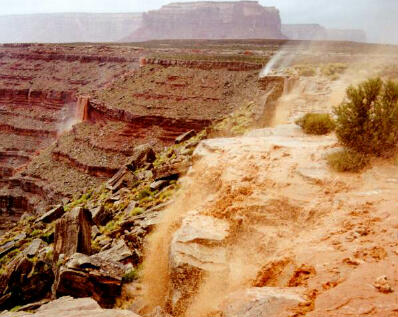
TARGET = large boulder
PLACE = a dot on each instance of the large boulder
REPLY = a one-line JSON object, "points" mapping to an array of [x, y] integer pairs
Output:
{"points": [[143, 155], [94, 276], [73, 233], [51, 215], [172, 170], [70, 307], [100, 215], [185, 136], [29, 277]]}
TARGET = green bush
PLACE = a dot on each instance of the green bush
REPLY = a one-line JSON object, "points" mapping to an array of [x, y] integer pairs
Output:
{"points": [[316, 123], [368, 120], [130, 276], [348, 161]]}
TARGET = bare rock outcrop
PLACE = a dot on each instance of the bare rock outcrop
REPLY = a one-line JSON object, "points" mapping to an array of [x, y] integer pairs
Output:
{"points": [[95, 276], [261, 302], [210, 20], [28, 277], [73, 233], [70, 307]]}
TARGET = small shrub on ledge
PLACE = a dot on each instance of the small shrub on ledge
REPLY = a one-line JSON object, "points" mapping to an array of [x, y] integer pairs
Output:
{"points": [[348, 161], [316, 123]]}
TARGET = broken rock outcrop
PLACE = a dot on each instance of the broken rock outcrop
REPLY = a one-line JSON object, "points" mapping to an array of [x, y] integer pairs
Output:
{"points": [[73, 233], [94, 276]]}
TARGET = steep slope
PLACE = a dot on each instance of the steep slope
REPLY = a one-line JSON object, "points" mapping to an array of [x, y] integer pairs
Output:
{"points": [[39, 88]]}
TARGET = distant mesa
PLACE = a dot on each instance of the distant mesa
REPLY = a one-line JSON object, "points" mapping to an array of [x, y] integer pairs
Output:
{"points": [[210, 20], [188, 20], [318, 32]]}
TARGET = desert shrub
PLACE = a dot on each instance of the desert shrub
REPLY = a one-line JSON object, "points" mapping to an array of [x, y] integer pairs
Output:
{"points": [[347, 161], [368, 119], [333, 70], [130, 276], [305, 70], [316, 123]]}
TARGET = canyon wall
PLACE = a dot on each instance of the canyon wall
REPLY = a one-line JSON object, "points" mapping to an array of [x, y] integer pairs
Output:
{"points": [[71, 115], [210, 20], [39, 88], [67, 27]]}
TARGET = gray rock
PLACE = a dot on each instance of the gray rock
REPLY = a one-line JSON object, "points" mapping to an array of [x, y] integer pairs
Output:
{"points": [[52, 215], [34, 247], [158, 184], [143, 155], [100, 215], [118, 252], [171, 171], [185, 136], [69, 307], [94, 276], [261, 302]]}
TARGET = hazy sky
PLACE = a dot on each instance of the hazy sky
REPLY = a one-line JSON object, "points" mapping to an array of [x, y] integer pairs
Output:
{"points": [[379, 18]]}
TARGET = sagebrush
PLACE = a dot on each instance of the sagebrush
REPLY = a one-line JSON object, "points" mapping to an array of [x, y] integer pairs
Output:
{"points": [[367, 121], [348, 161], [316, 123]]}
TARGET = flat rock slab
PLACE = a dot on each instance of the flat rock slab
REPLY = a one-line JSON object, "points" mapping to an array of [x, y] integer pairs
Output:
{"points": [[70, 307], [261, 302], [197, 241]]}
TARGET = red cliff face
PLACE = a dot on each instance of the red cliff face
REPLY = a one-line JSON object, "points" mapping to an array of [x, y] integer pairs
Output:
{"points": [[39, 88], [210, 20], [46, 90]]}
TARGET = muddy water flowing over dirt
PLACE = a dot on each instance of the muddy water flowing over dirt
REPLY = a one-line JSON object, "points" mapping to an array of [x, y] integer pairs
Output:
{"points": [[265, 211], [263, 227]]}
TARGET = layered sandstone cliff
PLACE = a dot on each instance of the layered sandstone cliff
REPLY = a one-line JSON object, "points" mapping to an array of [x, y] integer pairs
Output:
{"points": [[210, 20]]}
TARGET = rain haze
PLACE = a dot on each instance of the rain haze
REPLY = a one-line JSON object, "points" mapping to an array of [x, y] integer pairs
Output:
{"points": [[378, 18]]}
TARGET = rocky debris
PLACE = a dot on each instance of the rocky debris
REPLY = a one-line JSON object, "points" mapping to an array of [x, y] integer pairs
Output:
{"points": [[73, 233], [34, 248], [171, 170], [51, 215], [33, 306], [185, 136], [100, 215], [117, 180], [69, 307], [262, 302], [27, 280], [95, 276], [210, 20], [11, 245], [118, 252], [383, 285], [157, 185], [143, 155], [134, 230]]}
